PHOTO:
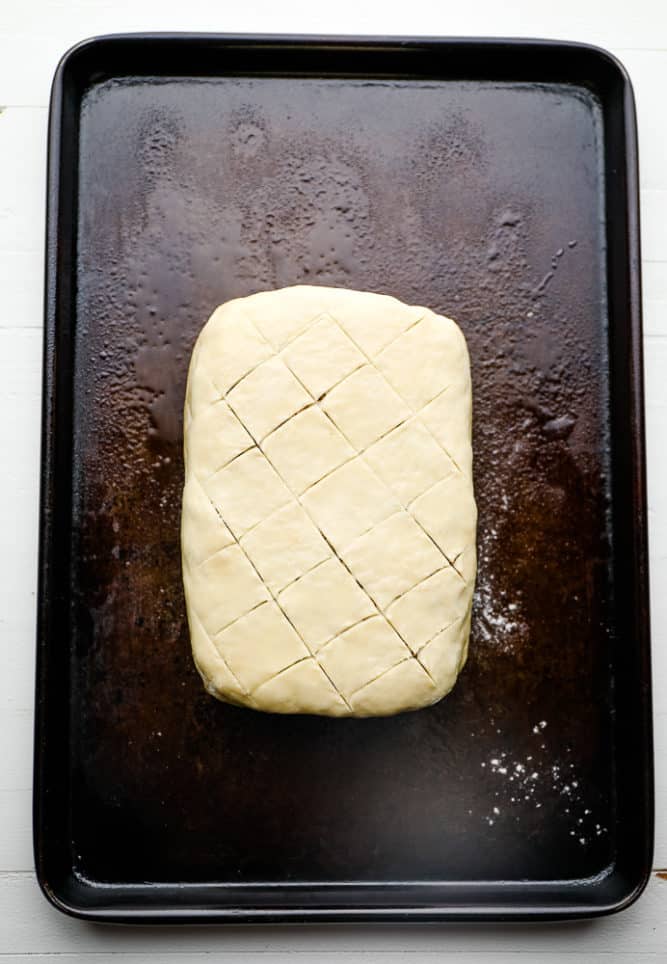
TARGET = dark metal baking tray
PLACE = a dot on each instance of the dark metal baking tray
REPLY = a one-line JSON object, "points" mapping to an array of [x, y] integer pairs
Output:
{"points": [[493, 180]]}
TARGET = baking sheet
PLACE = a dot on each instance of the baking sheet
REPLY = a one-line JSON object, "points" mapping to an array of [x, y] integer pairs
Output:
{"points": [[492, 181]]}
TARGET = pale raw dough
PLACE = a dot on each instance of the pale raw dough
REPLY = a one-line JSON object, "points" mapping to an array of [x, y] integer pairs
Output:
{"points": [[328, 527]]}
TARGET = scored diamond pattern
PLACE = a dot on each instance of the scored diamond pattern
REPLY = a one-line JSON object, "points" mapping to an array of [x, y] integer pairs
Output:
{"points": [[309, 431], [328, 514], [364, 407]]}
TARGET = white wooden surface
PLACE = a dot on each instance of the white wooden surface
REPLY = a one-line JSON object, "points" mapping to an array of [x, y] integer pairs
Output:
{"points": [[33, 34]]}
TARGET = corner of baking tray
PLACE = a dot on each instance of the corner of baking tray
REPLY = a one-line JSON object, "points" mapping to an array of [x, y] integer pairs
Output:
{"points": [[629, 891], [66, 60], [611, 61]]}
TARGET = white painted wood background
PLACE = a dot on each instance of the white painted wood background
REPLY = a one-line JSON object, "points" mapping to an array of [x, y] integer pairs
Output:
{"points": [[33, 35]]}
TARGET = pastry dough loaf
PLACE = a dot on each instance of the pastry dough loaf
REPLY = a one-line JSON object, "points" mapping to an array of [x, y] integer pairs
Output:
{"points": [[328, 528]]}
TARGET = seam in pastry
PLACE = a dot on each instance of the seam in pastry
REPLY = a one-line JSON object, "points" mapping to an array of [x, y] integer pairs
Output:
{"points": [[322, 477], [348, 629], [437, 441], [340, 381], [444, 629], [417, 660], [379, 676], [301, 331], [229, 462], [302, 574], [285, 420], [400, 334], [244, 689], [410, 588], [280, 672], [342, 695], [237, 619], [223, 395]]}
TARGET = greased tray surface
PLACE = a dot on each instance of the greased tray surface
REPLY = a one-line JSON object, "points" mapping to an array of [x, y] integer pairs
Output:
{"points": [[494, 181]]}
